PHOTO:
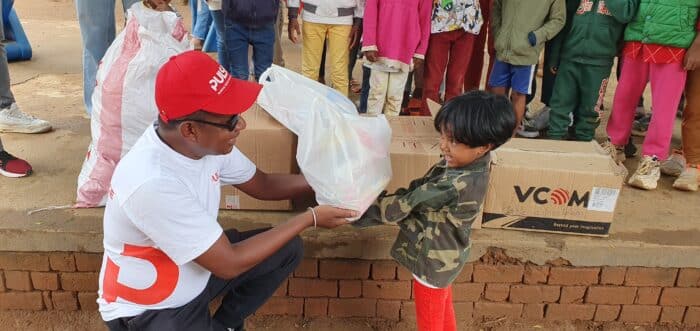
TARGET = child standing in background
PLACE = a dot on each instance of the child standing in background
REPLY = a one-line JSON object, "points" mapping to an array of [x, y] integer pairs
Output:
{"points": [[395, 38], [436, 212], [521, 29]]}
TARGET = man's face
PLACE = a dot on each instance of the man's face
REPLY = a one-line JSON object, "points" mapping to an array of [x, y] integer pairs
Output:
{"points": [[215, 140]]}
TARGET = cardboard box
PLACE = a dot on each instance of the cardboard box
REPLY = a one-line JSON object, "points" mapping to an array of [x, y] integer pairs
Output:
{"points": [[552, 186], [411, 159], [272, 147]]}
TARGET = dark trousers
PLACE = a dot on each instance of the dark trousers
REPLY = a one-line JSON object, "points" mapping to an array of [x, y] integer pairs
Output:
{"points": [[448, 52], [243, 295]]}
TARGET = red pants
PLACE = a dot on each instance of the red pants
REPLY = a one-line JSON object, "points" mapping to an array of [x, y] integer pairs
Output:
{"points": [[475, 68], [451, 51], [434, 309]]}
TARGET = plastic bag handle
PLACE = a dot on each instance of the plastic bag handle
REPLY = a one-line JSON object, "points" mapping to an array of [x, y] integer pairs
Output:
{"points": [[266, 74]]}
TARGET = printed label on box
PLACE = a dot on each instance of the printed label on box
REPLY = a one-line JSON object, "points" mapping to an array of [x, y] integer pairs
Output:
{"points": [[603, 199], [233, 202]]}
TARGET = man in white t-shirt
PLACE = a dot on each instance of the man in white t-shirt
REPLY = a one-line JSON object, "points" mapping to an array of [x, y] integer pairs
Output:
{"points": [[166, 256]]}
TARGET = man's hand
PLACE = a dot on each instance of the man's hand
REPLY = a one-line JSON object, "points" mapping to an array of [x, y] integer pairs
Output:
{"points": [[294, 30], [418, 64], [692, 56], [372, 56], [328, 217], [354, 36]]}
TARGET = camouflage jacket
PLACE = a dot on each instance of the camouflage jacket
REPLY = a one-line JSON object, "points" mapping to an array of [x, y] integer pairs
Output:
{"points": [[435, 215]]}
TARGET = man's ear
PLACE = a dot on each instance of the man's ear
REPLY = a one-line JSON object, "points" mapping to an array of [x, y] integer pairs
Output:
{"points": [[188, 131], [485, 149]]}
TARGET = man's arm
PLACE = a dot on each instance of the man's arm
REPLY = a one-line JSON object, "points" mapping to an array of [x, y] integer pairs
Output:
{"points": [[293, 28], [265, 186]]}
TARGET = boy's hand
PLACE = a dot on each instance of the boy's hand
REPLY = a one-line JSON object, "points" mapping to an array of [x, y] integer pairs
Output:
{"points": [[354, 36], [692, 56], [532, 39], [372, 56], [328, 217], [418, 63], [294, 30]]}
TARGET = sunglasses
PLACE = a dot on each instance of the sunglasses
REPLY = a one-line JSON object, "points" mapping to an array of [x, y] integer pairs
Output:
{"points": [[230, 125]]}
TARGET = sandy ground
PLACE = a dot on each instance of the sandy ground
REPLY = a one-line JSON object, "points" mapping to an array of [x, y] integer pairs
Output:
{"points": [[50, 86]]}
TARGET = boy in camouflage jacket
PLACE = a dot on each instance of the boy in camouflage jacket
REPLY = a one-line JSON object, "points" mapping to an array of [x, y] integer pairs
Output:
{"points": [[436, 212]]}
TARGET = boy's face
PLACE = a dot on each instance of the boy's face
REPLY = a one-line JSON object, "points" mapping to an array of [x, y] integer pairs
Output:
{"points": [[457, 154]]}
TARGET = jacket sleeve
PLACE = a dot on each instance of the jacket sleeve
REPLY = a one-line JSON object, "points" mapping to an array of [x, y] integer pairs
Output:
{"points": [[369, 26], [496, 18], [425, 11], [622, 10], [557, 44], [556, 22]]}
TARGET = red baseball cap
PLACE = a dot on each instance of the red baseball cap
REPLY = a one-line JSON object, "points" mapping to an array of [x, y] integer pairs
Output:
{"points": [[193, 81]]}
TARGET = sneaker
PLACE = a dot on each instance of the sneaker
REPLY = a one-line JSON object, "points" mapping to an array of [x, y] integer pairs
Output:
{"points": [[647, 175], [527, 132], [616, 152], [688, 180], [640, 126], [533, 113], [674, 165], [13, 167], [12, 119]]}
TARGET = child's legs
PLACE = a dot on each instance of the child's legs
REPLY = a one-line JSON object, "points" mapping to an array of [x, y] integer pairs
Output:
{"points": [[460, 55], [263, 41], [435, 65], [450, 318], [430, 306], [667, 84], [395, 92], [364, 93], [378, 86], [521, 84], [237, 49], [565, 99], [314, 36], [218, 17], [500, 77], [593, 84], [338, 54], [691, 119], [633, 80]]}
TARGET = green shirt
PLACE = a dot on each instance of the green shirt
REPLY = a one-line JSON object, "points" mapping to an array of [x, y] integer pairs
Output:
{"points": [[435, 215]]}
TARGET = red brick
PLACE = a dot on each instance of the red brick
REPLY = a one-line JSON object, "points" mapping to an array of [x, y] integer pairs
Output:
{"points": [[48, 303], [670, 314], [315, 307], [470, 292], [611, 295], [573, 276], [640, 314], [680, 296], [486, 273], [24, 261], [403, 274], [344, 269], [88, 261], [282, 306], [496, 292], [639, 276], [688, 277], [533, 311], [350, 289], [308, 268], [45, 280], [536, 274], [692, 316], [466, 275], [63, 300], [282, 290], [352, 307], [534, 293], [18, 280], [389, 309], [386, 289], [572, 294], [408, 310], [21, 301], [497, 309], [606, 313], [648, 296], [2, 282], [612, 275], [62, 262], [88, 301], [312, 287], [569, 312], [79, 281], [385, 270], [463, 311]]}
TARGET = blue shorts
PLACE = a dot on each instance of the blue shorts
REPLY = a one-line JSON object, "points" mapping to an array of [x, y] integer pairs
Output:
{"points": [[518, 78]]}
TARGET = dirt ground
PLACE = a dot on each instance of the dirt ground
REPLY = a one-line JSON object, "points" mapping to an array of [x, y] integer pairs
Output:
{"points": [[50, 86]]}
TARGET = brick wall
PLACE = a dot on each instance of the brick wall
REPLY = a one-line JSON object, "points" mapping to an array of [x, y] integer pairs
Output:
{"points": [[381, 289]]}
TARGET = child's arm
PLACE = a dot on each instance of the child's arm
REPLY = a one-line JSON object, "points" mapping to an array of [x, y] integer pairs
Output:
{"points": [[622, 10], [369, 27], [556, 22], [425, 10], [557, 43], [496, 17]]}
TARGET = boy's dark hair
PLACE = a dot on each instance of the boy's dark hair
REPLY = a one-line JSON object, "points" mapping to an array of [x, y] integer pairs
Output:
{"points": [[477, 118]]}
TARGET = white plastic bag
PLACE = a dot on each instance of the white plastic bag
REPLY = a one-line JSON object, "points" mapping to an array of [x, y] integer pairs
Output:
{"points": [[123, 103], [344, 156]]}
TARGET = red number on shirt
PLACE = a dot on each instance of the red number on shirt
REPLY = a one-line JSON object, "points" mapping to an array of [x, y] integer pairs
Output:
{"points": [[167, 274]]}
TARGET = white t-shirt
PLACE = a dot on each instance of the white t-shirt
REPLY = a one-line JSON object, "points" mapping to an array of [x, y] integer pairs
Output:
{"points": [[161, 214]]}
